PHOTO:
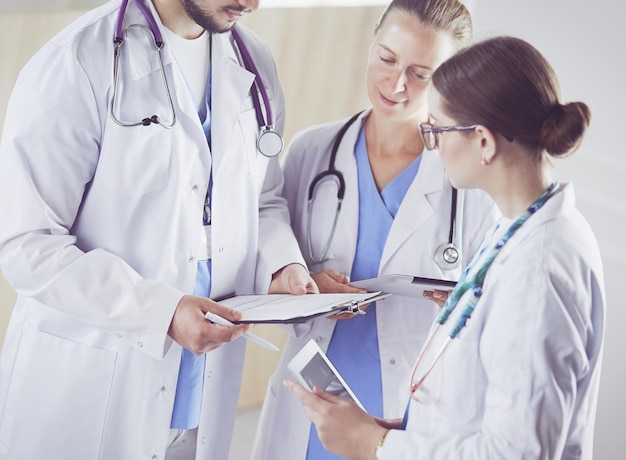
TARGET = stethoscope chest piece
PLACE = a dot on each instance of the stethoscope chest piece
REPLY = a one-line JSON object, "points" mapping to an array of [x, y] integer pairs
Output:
{"points": [[447, 256], [270, 143]]}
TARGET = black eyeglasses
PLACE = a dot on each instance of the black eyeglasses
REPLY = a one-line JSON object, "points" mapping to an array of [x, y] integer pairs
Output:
{"points": [[429, 133]]}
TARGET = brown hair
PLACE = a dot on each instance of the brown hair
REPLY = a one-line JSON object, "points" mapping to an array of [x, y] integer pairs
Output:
{"points": [[446, 15], [505, 84]]}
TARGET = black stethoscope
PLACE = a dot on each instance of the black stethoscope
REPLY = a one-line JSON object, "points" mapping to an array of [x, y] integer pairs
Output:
{"points": [[447, 255], [269, 143]]}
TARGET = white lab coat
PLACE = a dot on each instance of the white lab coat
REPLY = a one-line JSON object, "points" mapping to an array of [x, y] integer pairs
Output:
{"points": [[521, 380], [101, 234], [420, 226]]}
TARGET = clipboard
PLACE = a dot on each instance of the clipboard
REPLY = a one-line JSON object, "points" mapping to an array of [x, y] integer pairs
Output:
{"points": [[288, 308], [405, 285]]}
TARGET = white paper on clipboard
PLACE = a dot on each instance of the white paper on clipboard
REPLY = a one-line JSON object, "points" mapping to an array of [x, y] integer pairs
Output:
{"points": [[289, 308], [406, 285]]}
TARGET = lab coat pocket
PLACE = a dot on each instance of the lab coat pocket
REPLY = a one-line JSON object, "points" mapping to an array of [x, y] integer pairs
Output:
{"points": [[135, 160], [56, 379]]}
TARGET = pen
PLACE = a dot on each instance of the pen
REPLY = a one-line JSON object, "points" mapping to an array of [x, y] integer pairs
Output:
{"points": [[255, 338]]}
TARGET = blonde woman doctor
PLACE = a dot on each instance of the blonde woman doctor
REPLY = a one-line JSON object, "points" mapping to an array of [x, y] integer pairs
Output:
{"points": [[395, 214]]}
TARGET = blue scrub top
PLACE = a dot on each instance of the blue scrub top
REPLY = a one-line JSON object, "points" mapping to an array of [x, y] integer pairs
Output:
{"points": [[353, 348], [188, 399]]}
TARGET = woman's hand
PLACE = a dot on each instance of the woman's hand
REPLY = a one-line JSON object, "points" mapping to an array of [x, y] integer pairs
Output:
{"points": [[342, 427], [437, 296], [331, 281]]}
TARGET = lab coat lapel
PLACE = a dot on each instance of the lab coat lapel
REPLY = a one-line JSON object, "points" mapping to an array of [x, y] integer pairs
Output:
{"points": [[230, 85], [348, 222], [415, 208], [143, 60]]}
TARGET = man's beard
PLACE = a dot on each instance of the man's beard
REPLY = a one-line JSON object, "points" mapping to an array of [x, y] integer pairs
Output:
{"points": [[203, 19]]}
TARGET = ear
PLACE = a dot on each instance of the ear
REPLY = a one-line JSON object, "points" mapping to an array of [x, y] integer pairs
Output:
{"points": [[487, 141]]}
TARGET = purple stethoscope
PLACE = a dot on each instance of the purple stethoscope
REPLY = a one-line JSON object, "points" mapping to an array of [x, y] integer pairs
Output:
{"points": [[269, 143]]}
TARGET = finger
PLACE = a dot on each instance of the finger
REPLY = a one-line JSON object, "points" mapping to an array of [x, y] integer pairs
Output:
{"points": [[342, 316], [391, 424], [297, 286], [339, 277], [216, 334], [304, 395], [312, 287], [317, 391], [220, 310]]}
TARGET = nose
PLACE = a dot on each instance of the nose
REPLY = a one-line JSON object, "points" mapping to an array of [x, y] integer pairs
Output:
{"points": [[400, 82], [250, 5]]}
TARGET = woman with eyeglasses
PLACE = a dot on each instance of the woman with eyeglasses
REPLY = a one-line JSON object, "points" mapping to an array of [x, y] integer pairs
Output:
{"points": [[511, 366], [395, 214]]}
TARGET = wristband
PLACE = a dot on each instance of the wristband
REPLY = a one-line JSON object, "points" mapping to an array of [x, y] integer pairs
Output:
{"points": [[379, 446]]}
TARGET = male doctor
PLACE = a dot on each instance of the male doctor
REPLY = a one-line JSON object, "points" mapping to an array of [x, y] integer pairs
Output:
{"points": [[107, 230]]}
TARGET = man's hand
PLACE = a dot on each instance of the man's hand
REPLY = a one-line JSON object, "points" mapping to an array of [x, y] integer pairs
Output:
{"points": [[293, 279], [190, 329]]}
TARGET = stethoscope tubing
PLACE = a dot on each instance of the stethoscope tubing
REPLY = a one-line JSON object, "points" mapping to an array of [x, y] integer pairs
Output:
{"points": [[341, 190], [270, 148], [249, 64], [332, 171], [154, 28]]}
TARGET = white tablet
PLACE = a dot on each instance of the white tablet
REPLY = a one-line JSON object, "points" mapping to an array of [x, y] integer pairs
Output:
{"points": [[311, 367]]}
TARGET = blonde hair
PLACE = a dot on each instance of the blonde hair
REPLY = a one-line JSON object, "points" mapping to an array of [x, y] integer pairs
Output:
{"points": [[444, 15]]}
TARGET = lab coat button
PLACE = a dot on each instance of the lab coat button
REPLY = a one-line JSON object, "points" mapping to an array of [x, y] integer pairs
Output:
{"points": [[392, 361], [139, 344], [209, 375], [221, 249], [319, 339], [155, 456], [163, 389], [191, 258], [203, 440], [195, 187]]}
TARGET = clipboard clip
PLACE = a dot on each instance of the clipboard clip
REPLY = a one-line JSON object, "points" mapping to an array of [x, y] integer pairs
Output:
{"points": [[355, 308]]}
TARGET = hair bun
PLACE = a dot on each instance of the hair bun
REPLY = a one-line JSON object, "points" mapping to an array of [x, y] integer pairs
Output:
{"points": [[563, 128]]}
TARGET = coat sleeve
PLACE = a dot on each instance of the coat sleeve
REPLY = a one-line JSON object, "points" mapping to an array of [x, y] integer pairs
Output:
{"points": [[48, 156]]}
